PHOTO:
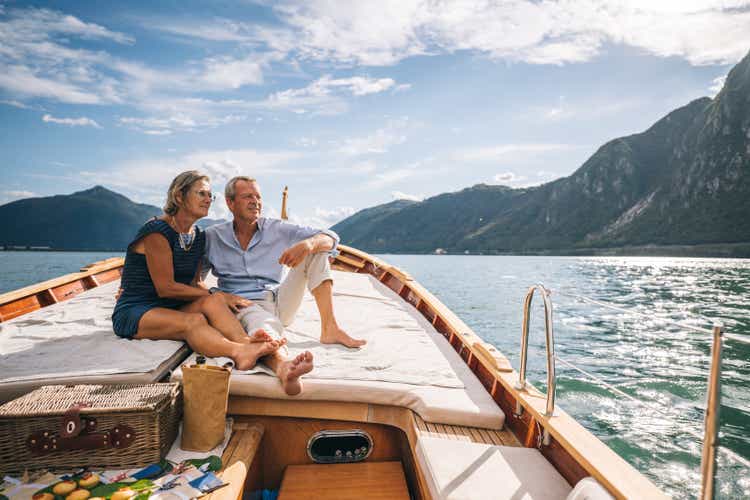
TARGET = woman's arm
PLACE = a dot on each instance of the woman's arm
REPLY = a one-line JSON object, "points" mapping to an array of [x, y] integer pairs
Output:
{"points": [[159, 262], [234, 302]]}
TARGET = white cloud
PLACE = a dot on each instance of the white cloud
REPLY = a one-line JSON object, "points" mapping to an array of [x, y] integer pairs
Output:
{"points": [[15, 104], [148, 178], [321, 217], [508, 178], [324, 95], [229, 73], [73, 122], [385, 32], [496, 153], [21, 81], [194, 116], [379, 142], [37, 61], [398, 195], [716, 85], [364, 167], [13, 195], [387, 177], [41, 21], [216, 30], [306, 142]]}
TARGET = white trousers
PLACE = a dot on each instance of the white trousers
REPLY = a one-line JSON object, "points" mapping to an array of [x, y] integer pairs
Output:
{"points": [[277, 312]]}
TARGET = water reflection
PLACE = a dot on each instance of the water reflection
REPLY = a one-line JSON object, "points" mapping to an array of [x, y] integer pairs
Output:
{"points": [[647, 358]]}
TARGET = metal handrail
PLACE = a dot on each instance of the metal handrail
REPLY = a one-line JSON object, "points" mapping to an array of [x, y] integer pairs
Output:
{"points": [[550, 341]]}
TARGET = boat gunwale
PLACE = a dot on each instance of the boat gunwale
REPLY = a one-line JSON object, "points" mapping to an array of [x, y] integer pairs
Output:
{"points": [[574, 451]]}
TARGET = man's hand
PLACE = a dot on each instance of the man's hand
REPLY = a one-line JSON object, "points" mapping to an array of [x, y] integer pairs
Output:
{"points": [[295, 254], [117, 295], [234, 302]]}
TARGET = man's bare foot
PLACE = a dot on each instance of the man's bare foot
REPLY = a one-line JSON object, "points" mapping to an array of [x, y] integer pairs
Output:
{"points": [[291, 370], [260, 335], [249, 354], [335, 335]]}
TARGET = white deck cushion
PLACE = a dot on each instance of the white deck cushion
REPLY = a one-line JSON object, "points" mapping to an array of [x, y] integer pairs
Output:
{"points": [[406, 362], [589, 488], [73, 342], [460, 470]]}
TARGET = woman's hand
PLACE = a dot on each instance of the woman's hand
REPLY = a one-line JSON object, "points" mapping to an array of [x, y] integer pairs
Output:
{"points": [[234, 302]]}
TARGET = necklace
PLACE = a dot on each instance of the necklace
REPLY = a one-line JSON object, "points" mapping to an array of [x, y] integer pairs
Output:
{"points": [[186, 239]]}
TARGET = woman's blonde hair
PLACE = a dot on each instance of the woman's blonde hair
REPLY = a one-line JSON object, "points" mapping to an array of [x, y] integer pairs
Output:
{"points": [[181, 185]]}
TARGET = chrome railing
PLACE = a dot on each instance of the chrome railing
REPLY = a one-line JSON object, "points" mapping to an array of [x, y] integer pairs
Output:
{"points": [[710, 436], [550, 341]]}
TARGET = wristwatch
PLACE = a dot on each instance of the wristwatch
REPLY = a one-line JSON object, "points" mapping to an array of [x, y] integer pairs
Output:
{"points": [[213, 290]]}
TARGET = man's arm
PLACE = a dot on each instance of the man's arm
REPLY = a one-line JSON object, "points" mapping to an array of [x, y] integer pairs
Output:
{"points": [[295, 254]]}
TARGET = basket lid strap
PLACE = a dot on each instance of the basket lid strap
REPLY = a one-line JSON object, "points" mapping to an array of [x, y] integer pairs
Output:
{"points": [[72, 425]]}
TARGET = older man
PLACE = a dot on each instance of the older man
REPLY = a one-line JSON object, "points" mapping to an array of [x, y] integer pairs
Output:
{"points": [[248, 256]]}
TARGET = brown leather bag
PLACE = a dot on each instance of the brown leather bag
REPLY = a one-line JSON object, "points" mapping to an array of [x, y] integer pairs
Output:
{"points": [[206, 392]]}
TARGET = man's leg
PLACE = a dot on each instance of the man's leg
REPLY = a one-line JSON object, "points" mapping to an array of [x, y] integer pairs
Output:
{"points": [[289, 370], [315, 272], [330, 332]]}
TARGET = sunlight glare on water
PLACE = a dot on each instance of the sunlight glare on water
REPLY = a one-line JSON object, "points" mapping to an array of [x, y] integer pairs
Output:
{"points": [[663, 365]]}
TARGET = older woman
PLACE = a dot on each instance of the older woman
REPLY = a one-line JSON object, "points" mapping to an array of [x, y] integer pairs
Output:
{"points": [[161, 298]]}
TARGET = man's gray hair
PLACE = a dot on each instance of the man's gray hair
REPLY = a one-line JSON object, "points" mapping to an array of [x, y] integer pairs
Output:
{"points": [[181, 185], [230, 190]]}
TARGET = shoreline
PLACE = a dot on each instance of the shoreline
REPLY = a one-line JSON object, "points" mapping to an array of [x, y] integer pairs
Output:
{"points": [[704, 250]]}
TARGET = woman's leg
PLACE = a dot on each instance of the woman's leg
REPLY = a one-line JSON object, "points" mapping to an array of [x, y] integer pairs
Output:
{"points": [[223, 319], [167, 324]]}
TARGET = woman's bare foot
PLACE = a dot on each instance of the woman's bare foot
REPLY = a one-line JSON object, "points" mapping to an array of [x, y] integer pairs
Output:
{"points": [[291, 370], [335, 335], [248, 354], [260, 335]]}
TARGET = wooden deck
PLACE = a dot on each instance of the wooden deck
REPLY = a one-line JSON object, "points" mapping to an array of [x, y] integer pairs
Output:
{"points": [[460, 433]]}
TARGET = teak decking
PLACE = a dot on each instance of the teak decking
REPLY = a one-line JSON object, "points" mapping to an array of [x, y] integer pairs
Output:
{"points": [[573, 450]]}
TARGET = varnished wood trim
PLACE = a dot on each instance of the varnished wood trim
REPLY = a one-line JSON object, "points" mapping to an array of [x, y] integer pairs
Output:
{"points": [[33, 297], [245, 405]]}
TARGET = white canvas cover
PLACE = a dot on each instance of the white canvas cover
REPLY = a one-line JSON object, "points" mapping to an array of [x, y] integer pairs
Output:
{"points": [[406, 362], [72, 342]]}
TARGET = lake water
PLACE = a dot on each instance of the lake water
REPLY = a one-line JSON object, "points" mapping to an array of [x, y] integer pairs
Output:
{"points": [[645, 356]]}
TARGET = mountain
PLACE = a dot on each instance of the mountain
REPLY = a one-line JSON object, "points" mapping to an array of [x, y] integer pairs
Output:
{"points": [[94, 219], [684, 181]]}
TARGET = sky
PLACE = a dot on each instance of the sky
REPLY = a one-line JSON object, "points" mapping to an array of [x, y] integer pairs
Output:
{"points": [[349, 104]]}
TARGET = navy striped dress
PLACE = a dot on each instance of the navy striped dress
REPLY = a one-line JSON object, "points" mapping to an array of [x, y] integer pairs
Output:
{"points": [[139, 293]]}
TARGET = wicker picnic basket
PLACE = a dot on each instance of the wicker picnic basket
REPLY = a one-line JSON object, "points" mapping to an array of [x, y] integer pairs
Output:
{"points": [[103, 426]]}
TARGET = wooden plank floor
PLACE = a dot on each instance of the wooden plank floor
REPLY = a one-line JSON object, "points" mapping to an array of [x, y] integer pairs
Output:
{"points": [[462, 433]]}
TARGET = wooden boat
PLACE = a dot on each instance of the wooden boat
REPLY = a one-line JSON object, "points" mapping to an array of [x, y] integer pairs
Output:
{"points": [[269, 448]]}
